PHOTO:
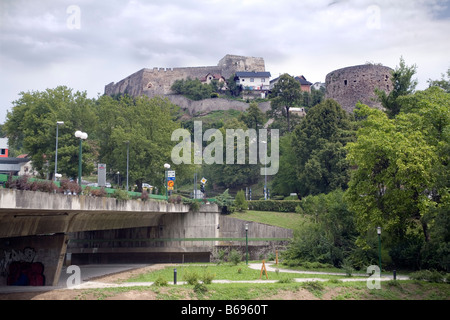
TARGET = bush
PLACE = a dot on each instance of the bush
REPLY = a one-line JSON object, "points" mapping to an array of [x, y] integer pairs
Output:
{"points": [[235, 257], [200, 288], [144, 195], [98, 192], [207, 277], [191, 277], [70, 187], [428, 275], [160, 282], [120, 194], [239, 202]]}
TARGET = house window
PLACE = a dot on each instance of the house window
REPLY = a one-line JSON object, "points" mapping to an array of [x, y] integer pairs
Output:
{"points": [[263, 80], [345, 82], [252, 79], [2, 152]]}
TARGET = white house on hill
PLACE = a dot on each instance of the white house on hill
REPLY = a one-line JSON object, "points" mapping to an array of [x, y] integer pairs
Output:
{"points": [[259, 81]]}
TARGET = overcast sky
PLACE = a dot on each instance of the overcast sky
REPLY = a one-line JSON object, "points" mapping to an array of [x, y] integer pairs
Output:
{"points": [[88, 44]]}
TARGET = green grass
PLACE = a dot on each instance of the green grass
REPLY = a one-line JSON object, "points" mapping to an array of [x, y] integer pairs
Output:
{"points": [[279, 219], [227, 271]]}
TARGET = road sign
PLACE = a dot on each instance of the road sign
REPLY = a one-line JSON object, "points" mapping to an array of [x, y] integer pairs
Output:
{"points": [[203, 180], [171, 174], [170, 184], [171, 178]]}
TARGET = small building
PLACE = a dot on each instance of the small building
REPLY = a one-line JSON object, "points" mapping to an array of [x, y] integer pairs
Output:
{"points": [[215, 77], [3, 147], [298, 111], [305, 85], [259, 81]]}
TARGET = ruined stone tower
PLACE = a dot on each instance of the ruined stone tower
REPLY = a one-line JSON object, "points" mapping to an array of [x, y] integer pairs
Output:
{"points": [[352, 84]]}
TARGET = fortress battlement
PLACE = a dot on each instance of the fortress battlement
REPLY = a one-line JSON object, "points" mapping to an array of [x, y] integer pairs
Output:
{"points": [[158, 81]]}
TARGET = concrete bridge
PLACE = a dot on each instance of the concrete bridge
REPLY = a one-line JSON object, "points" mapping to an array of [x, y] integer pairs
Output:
{"points": [[39, 232]]}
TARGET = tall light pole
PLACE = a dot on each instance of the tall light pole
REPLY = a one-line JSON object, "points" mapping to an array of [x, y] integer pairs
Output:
{"points": [[128, 159], [82, 136], [379, 246], [265, 171], [246, 243], [56, 150], [166, 167]]}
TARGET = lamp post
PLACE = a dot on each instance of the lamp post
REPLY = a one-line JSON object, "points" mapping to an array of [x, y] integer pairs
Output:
{"points": [[166, 167], [246, 243], [128, 159], [82, 136], [56, 150], [265, 171], [379, 246]]}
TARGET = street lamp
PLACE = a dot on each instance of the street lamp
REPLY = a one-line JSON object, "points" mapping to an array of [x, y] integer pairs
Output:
{"points": [[166, 167], [246, 243], [56, 151], [82, 136], [379, 246], [128, 157], [265, 171]]}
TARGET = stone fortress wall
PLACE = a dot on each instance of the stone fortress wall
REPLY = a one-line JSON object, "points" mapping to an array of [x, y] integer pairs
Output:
{"points": [[158, 81], [357, 83]]}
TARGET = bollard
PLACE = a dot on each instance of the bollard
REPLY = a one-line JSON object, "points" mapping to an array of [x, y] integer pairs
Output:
{"points": [[395, 274], [174, 276]]}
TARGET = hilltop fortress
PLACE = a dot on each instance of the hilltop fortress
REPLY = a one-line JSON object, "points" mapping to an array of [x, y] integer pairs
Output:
{"points": [[347, 85], [158, 81]]}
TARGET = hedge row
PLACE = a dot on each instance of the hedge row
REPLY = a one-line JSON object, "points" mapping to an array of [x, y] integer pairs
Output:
{"points": [[274, 205]]}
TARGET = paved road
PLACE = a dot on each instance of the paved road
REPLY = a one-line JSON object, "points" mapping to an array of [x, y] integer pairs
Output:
{"points": [[90, 272]]}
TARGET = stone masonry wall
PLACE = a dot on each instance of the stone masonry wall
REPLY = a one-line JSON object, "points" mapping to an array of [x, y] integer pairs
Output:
{"points": [[352, 84], [158, 81]]}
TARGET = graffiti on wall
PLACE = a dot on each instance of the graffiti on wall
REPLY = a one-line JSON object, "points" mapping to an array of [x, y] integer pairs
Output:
{"points": [[20, 269]]}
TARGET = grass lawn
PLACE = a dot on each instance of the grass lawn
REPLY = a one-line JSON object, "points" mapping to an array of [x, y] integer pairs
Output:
{"points": [[225, 271], [286, 220], [332, 289]]}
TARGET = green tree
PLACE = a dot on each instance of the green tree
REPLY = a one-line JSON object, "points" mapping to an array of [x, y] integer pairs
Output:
{"points": [[318, 145], [443, 83], [285, 95], [239, 202], [398, 162], [403, 85], [286, 181], [232, 175], [147, 125], [31, 127], [253, 117]]}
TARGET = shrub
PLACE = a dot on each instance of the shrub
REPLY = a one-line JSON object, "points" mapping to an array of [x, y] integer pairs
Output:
{"points": [[235, 257], [160, 282], [200, 288], [98, 192], [144, 195], [70, 187], [207, 277], [239, 202], [191, 277], [427, 275], [120, 194]]}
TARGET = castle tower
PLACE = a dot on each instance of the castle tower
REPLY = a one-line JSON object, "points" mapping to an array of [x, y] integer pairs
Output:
{"points": [[352, 84]]}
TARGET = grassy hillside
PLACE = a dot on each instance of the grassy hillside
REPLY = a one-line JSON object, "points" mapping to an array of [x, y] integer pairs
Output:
{"points": [[280, 219]]}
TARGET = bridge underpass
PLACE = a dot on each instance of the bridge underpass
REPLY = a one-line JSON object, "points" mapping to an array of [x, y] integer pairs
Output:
{"points": [[40, 231]]}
